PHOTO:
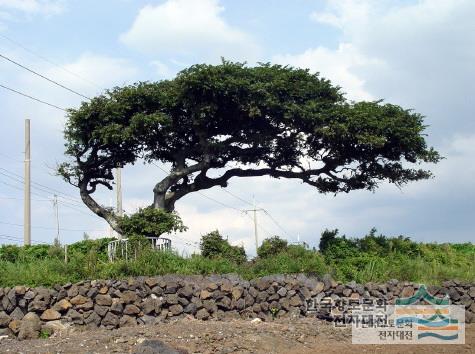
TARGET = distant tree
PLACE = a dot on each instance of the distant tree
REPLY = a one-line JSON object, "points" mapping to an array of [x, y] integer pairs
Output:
{"points": [[213, 245], [272, 246], [326, 239], [213, 123]]}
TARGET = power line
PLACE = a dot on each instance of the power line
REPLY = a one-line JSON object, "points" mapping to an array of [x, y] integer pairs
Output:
{"points": [[49, 228], [50, 61], [32, 98], [15, 238], [39, 186], [42, 76], [276, 223], [236, 196]]}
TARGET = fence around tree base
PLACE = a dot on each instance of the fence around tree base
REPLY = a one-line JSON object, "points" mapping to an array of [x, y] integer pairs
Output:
{"points": [[121, 248]]}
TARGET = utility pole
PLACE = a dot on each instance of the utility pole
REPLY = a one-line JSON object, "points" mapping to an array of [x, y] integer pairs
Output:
{"points": [[254, 211], [118, 182], [27, 196], [56, 215]]}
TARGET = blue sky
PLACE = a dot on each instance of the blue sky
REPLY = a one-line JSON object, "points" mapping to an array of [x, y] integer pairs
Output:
{"points": [[418, 54]]}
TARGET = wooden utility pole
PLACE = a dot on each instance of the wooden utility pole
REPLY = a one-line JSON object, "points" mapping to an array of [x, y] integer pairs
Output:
{"points": [[27, 180]]}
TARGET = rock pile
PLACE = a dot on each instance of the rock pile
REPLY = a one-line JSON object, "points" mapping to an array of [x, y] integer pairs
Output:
{"points": [[26, 312]]}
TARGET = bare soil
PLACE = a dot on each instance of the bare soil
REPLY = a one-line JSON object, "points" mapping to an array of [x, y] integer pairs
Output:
{"points": [[290, 336]]}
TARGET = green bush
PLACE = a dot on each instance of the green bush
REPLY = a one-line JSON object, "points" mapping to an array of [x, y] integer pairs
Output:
{"points": [[151, 222], [272, 246], [213, 245]]}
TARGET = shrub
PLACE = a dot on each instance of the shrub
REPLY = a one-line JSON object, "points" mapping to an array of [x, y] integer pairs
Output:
{"points": [[272, 246], [151, 222], [213, 245]]}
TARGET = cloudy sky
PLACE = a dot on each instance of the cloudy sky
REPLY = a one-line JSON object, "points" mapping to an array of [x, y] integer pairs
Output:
{"points": [[419, 54]]}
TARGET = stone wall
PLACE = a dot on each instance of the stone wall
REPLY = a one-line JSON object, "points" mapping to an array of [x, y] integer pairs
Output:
{"points": [[26, 312]]}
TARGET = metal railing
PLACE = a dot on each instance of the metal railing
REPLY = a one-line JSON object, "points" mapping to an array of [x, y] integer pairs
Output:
{"points": [[122, 249]]}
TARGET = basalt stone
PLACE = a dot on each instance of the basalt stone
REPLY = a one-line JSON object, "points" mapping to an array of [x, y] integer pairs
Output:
{"points": [[151, 282], [50, 315], [186, 291], [79, 300], [282, 292], [128, 297], [93, 320], [103, 300], [62, 305], [253, 291], [92, 293], [261, 296], [14, 326], [117, 307], [171, 299], [131, 310], [256, 308], [73, 291], [17, 314], [171, 287], [249, 300], [157, 291], [202, 314], [29, 295], [30, 326], [89, 305], [37, 306], [110, 320], [176, 309], [148, 306], [295, 301], [7, 305], [4, 319], [237, 292], [285, 303], [146, 320], [454, 294], [103, 290], [346, 292], [210, 306], [224, 303], [20, 290], [101, 310], [239, 304], [75, 317], [191, 309], [205, 294], [62, 294]]}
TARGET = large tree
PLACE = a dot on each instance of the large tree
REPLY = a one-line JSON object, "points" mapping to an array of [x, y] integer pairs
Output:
{"points": [[213, 123]]}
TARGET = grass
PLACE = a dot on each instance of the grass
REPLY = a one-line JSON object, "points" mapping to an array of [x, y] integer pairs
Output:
{"points": [[346, 260]]}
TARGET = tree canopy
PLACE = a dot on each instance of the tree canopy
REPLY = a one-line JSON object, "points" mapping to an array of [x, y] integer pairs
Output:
{"points": [[215, 122]]}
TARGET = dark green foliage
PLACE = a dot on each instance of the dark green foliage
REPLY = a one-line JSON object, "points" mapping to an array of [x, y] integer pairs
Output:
{"points": [[327, 238], [150, 222], [13, 253], [90, 247], [262, 120], [213, 245], [272, 246], [378, 257]]}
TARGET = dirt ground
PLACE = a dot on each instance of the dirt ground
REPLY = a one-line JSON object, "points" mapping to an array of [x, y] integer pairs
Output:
{"points": [[234, 336]]}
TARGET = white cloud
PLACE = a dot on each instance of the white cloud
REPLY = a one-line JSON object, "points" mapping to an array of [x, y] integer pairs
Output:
{"points": [[335, 65], [189, 28], [46, 7]]}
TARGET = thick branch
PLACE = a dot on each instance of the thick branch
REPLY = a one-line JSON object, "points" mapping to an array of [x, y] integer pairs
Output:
{"points": [[97, 209]]}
